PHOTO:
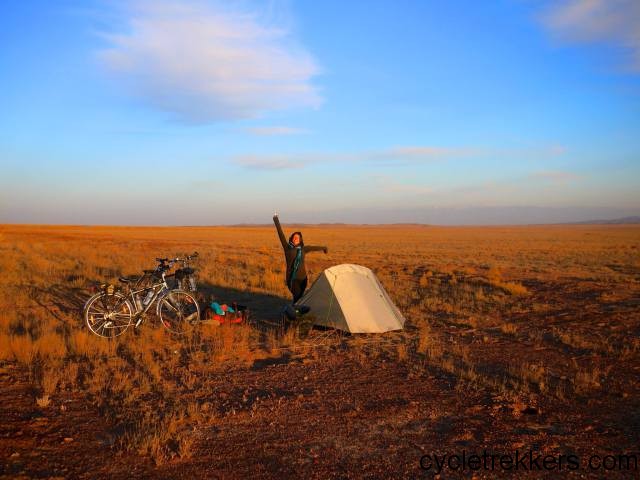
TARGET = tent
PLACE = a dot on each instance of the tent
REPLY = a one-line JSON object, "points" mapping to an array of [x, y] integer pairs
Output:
{"points": [[350, 298]]}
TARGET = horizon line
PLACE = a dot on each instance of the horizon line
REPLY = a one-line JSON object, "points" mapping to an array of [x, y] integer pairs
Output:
{"points": [[632, 220]]}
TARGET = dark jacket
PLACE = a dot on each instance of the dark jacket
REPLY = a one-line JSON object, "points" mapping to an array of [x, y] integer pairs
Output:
{"points": [[290, 252]]}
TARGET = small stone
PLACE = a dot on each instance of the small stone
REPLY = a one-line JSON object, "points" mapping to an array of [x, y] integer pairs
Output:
{"points": [[15, 455], [68, 439]]}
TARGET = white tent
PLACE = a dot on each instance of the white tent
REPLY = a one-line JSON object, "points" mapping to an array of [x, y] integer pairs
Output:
{"points": [[351, 298]]}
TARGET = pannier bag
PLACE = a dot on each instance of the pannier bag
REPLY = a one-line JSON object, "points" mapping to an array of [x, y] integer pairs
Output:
{"points": [[186, 279], [224, 313]]}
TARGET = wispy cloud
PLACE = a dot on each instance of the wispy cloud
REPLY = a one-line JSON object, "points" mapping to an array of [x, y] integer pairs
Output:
{"points": [[615, 22], [276, 130], [271, 162], [396, 155], [555, 176], [418, 153], [203, 62]]}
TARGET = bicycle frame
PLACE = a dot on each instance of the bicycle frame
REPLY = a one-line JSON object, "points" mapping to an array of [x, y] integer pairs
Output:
{"points": [[139, 294], [158, 289]]}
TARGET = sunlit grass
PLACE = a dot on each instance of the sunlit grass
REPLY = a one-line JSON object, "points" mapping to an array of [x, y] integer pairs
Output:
{"points": [[474, 280]]}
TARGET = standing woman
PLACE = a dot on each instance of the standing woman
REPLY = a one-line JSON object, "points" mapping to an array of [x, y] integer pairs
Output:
{"points": [[294, 252]]}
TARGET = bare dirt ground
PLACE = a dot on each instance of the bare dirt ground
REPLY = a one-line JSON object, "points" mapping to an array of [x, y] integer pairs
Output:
{"points": [[519, 340]]}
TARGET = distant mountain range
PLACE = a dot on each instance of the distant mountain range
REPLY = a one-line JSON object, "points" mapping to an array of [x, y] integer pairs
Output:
{"points": [[389, 215], [466, 215], [462, 218], [615, 221]]}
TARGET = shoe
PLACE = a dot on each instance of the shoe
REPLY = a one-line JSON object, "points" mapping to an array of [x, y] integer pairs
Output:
{"points": [[289, 312]]}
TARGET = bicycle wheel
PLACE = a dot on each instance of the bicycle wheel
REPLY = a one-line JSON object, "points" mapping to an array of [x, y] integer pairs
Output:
{"points": [[178, 310], [108, 315]]}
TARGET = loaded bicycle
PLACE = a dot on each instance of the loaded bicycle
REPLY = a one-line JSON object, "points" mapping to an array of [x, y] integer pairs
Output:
{"points": [[110, 312], [186, 275]]}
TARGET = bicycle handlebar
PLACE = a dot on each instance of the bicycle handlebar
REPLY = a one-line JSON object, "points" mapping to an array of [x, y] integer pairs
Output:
{"points": [[186, 258], [164, 264], [167, 263]]}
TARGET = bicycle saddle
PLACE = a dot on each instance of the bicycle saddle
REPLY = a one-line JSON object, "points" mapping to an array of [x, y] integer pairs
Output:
{"points": [[128, 279]]}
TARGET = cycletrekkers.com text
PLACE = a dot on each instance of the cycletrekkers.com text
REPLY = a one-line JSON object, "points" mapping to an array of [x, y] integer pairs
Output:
{"points": [[526, 460]]}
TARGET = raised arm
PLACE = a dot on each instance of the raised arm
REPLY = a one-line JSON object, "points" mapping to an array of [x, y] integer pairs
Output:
{"points": [[311, 248], [283, 239]]}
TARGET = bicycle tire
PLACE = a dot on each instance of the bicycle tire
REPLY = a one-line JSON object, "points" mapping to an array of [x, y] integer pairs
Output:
{"points": [[178, 310], [109, 318]]}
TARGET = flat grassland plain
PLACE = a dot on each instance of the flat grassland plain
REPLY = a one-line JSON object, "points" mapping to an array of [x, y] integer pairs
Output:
{"points": [[519, 339]]}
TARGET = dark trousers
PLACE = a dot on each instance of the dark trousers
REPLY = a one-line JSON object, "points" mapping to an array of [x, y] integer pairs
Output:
{"points": [[297, 288]]}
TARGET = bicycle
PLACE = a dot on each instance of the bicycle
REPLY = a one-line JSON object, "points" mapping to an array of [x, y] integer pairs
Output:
{"points": [[110, 313], [185, 276]]}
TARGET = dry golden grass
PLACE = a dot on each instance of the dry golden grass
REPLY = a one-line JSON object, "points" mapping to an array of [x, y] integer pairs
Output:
{"points": [[509, 328], [475, 281], [43, 401]]}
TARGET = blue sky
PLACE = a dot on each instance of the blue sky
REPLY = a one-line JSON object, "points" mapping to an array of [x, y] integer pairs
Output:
{"points": [[201, 112]]}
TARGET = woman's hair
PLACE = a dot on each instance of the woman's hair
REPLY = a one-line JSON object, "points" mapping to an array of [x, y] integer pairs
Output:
{"points": [[296, 233]]}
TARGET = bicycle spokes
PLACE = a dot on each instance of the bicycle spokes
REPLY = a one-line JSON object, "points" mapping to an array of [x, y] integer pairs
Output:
{"points": [[108, 315], [178, 310], [111, 312]]}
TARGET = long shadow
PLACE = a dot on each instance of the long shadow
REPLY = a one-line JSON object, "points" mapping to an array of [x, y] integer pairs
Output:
{"points": [[265, 309], [262, 306], [68, 298], [65, 299], [60, 301]]}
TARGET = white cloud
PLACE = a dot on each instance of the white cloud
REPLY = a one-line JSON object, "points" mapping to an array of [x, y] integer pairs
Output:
{"points": [[203, 62], [271, 162], [587, 21], [276, 130], [556, 176], [411, 154], [395, 156]]}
